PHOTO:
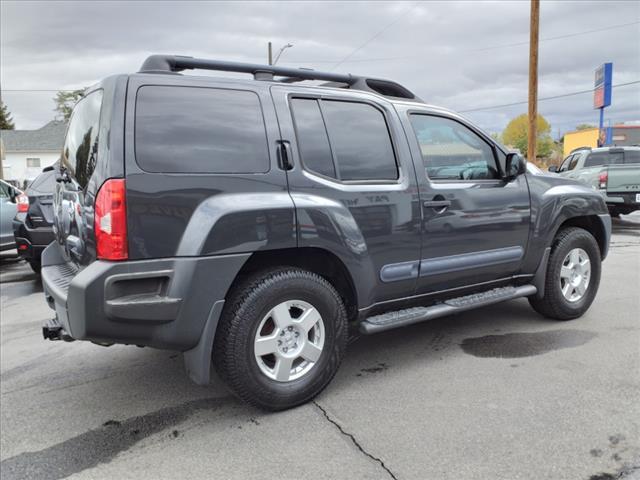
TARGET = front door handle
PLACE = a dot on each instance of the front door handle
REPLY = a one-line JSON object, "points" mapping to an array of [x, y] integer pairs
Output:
{"points": [[437, 203]]}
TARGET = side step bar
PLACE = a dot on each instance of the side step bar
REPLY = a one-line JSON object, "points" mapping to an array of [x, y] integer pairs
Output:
{"points": [[409, 316]]}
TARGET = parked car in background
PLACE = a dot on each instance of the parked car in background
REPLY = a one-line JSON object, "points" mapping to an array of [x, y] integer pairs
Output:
{"points": [[614, 171], [8, 208], [33, 222]]}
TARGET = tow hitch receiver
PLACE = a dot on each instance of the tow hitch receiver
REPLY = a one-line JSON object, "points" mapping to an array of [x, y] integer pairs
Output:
{"points": [[52, 330]]}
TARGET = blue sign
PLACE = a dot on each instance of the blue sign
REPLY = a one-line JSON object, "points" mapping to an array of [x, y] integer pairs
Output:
{"points": [[602, 86]]}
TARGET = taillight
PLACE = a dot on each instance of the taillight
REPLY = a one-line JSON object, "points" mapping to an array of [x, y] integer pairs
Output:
{"points": [[110, 221], [23, 203], [602, 180]]}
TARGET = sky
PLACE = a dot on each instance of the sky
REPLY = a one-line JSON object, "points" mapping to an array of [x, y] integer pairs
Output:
{"points": [[460, 55]]}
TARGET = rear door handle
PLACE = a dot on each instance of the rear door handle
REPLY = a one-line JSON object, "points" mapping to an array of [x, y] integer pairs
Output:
{"points": [[285, 158], [437, 203]]}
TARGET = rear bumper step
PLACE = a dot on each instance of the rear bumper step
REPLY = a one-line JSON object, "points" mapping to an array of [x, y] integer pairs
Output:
{"points": [[409, 316]]}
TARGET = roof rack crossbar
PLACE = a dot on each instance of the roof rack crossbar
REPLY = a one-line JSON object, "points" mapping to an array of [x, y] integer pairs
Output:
{"points": [[177, 63]]}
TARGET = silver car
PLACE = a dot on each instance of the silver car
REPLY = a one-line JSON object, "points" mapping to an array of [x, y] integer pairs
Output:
{"points": [[8, 208]]}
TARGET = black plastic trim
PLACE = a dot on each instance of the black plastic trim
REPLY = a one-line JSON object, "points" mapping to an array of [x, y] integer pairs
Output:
{"points": [[464, 261]]}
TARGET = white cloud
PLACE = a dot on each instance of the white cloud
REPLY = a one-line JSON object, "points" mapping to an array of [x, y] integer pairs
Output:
{"points": [[441, 50]]}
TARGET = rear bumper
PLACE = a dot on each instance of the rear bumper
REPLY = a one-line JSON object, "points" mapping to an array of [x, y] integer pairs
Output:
{"points": [[163, 303], [31, 241], [626, 199]]}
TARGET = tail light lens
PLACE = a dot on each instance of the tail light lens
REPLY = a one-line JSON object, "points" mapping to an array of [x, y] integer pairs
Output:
{"points": [[110, 221], [23, 203], [602, 180]]}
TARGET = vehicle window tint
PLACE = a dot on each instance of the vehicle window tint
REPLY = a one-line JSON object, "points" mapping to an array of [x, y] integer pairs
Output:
{"points": [[313, 142], [79, 154], [596, 159], [360, 141], [632, 156], [574, 162], [4, 190], [564, 166], [200, 130], [44, 183], [451, 151]]}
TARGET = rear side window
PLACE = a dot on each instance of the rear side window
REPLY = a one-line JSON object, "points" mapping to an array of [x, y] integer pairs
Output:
{"points": [[597, 159], [200, 130], [349, 141], [313, 141], [80, 151], [632, 156]]}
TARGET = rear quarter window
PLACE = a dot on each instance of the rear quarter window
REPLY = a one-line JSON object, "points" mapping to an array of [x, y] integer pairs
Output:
{"points": [[199, 130]]}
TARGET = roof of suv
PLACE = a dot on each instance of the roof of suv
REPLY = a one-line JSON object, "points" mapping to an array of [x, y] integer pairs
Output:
{"points": [[171, 64]]}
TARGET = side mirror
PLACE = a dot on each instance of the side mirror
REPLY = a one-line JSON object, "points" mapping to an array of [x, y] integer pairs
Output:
{"points": [[515, 165], [553, 168]]}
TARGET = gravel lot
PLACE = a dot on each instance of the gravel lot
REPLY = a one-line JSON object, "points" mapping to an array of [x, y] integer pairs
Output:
{"points": [[498, 393]]}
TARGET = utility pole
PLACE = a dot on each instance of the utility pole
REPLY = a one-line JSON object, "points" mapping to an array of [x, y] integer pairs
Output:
{"points": [[533, 79], [270, 54]]}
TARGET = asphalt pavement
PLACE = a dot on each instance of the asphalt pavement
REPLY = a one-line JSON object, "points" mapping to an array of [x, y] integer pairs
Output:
{"points": [[496, 393]]}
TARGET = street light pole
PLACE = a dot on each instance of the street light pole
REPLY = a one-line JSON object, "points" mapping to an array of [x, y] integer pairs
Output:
{"points": [[533, 79], [288, 45]]}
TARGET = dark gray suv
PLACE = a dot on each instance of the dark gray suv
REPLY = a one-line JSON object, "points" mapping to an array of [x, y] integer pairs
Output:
{"points": [[252, 223]]}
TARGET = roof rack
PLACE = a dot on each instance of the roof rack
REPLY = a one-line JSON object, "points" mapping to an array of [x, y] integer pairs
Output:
{"points": [[178, 63]]}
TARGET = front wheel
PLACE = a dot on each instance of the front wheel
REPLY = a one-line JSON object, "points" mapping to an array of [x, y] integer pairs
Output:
{"points": [[573, 276], [281, 338]]}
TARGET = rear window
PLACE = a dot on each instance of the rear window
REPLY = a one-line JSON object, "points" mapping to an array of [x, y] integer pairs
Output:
{"points": [[43, 183], [200, 130], [80, 151], [632, 156], [596, 159]]}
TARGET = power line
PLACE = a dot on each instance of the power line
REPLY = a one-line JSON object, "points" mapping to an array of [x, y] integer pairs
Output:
{"points": [[508, 45], [491, 107], [376, 35], [568, 35]]}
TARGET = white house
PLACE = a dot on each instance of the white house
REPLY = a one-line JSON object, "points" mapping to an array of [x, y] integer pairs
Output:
{"points": [[26, 152]]}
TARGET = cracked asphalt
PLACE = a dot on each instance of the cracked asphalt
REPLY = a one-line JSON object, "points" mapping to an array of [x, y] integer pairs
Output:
{"points": [[498, 393]]}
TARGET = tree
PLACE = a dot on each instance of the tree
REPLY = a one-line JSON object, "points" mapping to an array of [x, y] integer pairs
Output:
{"points": [[6, 122], [584, 126], [516, 133], [65, 100]]}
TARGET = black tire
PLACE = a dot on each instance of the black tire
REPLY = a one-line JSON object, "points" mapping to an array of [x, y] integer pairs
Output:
{"points": [[614, 212], [36, 266], [247, 305], [553, 304]]}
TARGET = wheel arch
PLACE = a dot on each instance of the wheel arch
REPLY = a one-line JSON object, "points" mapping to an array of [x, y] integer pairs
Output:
{"points": [[316, 260], [595, 225]]}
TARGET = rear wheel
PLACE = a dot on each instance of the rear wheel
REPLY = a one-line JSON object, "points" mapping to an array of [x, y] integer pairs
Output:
{"points": [[573, 276], [36, 266], [281, 338]]}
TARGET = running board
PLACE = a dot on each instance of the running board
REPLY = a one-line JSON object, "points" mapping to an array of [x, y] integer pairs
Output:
{"points": [[409, 316]]}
